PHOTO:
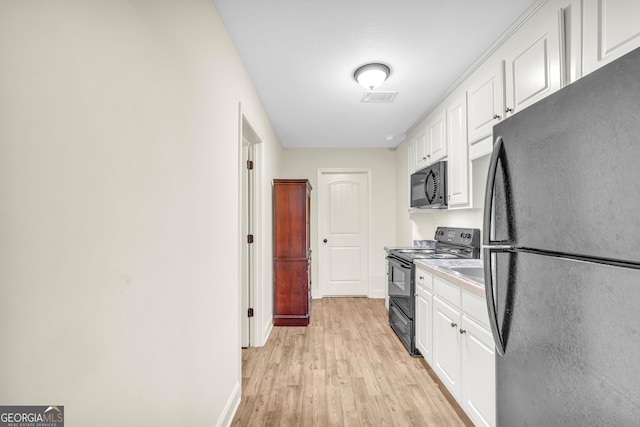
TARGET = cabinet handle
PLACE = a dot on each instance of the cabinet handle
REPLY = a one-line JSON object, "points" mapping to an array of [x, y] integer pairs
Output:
{"points": [[453, 325], [462, 331], [508, 110], [495, 116]]}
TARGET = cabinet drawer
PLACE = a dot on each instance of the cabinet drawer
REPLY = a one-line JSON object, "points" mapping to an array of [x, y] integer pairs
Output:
{"points": [[447, 291], [424, 279], [475, 307]]}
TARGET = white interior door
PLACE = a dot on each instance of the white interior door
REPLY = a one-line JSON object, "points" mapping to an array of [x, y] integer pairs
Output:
{"points": [[343, 225]]}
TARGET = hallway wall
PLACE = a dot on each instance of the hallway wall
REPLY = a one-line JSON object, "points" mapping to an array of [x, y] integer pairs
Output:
{"points": [[119, 168]]}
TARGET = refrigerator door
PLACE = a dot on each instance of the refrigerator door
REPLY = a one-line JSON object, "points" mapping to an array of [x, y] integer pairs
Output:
{"points": [[571, 337], [569, 168]]}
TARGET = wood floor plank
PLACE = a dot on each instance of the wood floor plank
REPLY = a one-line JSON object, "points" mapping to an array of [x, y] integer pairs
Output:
{"points": [[347, 368]]}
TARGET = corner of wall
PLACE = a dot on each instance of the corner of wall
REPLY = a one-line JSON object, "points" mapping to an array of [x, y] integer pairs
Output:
{"points": [[230, 407]]}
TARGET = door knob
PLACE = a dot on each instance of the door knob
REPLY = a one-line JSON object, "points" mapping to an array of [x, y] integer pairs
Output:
{"points": [[325, 240]]}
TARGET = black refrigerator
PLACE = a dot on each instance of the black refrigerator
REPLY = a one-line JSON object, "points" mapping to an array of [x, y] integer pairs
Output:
{"points": [[562, 254]]}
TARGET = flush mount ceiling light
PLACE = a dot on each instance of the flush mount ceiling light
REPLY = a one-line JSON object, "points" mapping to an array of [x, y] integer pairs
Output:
{"points": [[370, 76]]}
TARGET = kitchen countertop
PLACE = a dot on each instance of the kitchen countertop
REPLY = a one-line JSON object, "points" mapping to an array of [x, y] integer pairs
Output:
{"points": [[435, 266]]}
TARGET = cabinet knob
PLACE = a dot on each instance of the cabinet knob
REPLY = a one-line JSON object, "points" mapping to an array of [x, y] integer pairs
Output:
{"points": [[424, 158], [325, 240], [462, 331], [508, 110], [453, 325], [421, 277], [497, 117]]}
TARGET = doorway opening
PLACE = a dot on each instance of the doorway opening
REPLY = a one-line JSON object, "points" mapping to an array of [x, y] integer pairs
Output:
{"points": [[250, 203]]}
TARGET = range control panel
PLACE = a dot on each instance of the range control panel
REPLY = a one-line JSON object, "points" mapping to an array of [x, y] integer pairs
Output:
{"points": [[458, 236]]}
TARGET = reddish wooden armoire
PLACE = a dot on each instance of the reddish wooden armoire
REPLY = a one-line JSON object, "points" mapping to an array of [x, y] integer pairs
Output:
{"points": [[291, 252]]}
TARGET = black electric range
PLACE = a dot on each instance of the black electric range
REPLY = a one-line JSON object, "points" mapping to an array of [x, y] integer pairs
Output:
{"points": [[450, 243]]}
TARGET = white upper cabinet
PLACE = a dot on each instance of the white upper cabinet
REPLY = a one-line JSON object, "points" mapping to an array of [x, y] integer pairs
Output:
{"points": [[458, 186], [485, 99], [436, 136], [611, 29], [429, 141], [419, 149], [533, 61], [486, 103]]}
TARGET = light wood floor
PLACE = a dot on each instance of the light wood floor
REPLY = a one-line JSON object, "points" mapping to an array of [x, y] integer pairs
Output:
{"points": [[347, 368]]}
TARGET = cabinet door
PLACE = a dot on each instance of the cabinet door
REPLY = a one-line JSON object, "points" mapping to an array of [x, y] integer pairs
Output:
{"points": [[486, 103], [424, 319], [436, 137], [458, 159], [478, 373], [532, 61], [446, 346], [420, 150], [611, 29]]}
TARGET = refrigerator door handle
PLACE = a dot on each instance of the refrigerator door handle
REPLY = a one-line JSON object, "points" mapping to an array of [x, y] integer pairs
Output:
{"points": [[491, 305], [488, 195], [488, 249]]}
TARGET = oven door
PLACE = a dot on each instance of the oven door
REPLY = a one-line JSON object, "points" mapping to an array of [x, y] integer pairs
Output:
{"points": [[403, 327], [400, 285]]}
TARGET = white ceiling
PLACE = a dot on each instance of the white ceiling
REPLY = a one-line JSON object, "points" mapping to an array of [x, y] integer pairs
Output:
{"points": [[301, 55]]}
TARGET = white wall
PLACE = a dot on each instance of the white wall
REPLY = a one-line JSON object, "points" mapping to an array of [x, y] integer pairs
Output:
{"points": [[119, 214], [304, 163], [404, 232]]}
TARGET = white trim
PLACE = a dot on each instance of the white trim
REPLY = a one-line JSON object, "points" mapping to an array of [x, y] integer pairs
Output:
{"points": [[248, 131], [379, 293], [268, 327], [367, 172], [230, 407]]}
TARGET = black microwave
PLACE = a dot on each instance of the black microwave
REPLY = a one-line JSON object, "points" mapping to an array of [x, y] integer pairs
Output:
{"points": [[429, 187]]}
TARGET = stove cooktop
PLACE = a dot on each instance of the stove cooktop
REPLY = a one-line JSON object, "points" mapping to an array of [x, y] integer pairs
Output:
{"points": [[451, 243], [423, 254]]}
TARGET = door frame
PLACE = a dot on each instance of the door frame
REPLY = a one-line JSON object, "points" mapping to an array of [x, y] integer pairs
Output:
{"points": [[250, 148], [317, 293]]}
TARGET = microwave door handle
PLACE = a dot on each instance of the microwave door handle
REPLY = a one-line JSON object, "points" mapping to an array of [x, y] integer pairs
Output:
{"points": [[489, 249]]}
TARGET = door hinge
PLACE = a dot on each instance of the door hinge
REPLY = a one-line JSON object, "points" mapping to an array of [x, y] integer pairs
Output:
{"points": [[250, 312], [249, 238], [250, 164]]}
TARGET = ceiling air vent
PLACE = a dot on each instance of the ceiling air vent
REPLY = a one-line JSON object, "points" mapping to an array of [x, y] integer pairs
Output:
{"points": [[379, 97]]}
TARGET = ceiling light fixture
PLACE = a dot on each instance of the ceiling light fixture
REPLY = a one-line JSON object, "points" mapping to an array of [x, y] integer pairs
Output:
{"points": [[372, 75]]}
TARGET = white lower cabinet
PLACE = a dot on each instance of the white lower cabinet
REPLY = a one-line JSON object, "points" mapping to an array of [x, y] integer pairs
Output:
{"points": [[423, 319], [446, 346], [478, 374], [452, 333]]}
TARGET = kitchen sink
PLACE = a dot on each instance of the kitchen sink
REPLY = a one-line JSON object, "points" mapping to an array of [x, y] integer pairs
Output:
{"points": [[471, 272]]}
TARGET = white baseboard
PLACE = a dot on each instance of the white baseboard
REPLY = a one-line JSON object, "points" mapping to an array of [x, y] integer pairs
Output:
{"points": [[379, 293], [231, 407], [265, 334]]}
